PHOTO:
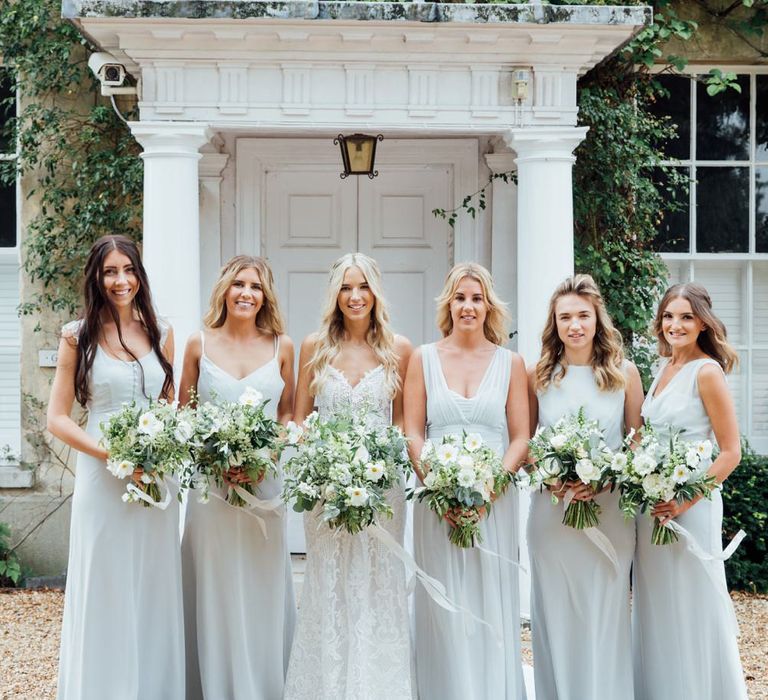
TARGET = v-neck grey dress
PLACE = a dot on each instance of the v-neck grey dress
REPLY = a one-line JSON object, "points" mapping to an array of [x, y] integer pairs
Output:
{"points": [[457, 658]]}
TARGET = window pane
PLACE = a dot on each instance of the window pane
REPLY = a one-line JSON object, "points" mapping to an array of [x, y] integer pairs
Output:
{"points": [[722, 123], [677, 106], [761, 127], [6, 110], [722, 210], [761, 209], [673, 231], [7, 216]]}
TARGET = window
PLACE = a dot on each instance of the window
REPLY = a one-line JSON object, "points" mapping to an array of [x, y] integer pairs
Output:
{"points": [[7, 153], [719, 236]]}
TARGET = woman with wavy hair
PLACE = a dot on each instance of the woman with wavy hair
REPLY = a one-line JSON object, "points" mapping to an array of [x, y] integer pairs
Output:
{"points": [[467, 382], [352, 637], [123, 625], [239, 606], [684, 627], [580, 617]]}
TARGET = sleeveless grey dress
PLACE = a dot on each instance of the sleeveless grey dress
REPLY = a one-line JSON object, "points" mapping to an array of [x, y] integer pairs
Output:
{"points": [[123, 634], [456, 658], [239, 607], [580, 615], [683, 625]]}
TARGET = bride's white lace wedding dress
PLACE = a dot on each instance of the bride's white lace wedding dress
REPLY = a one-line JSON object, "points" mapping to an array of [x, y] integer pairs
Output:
{"points": [[352, 639]]}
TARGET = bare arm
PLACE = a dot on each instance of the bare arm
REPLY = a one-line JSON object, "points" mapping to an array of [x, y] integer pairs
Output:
{"points": [[304, 402], [190, 372], [633, 400], [533, 402], [60, 424], [718, 404], [518, 416], [285, 406], [168, 350], [415, 410], [403, 348]]}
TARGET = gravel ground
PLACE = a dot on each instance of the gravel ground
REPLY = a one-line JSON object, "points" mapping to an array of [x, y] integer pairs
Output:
{"points": [[29, 643]]}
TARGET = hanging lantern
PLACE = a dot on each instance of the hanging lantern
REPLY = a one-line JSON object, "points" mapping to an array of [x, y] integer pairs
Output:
{"points": [[358, 154]]}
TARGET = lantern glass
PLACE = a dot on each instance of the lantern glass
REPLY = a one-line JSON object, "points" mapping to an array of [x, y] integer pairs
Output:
{"points": [[360, 153]]}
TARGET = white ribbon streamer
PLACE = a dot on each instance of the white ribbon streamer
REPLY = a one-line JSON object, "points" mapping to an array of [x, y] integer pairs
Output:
{"points": [[273, 505], [491, 553], [434, 588], [596, 536], [162, 505]]}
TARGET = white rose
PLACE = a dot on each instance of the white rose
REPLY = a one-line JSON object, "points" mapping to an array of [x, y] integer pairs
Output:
{"points": [[587, 470], [294, 432], [149, 424], [250, 397], [374, 471], [548, 468], [466, 477], [357, 495], [361, 455], [704, 448], [558, 441], [429, 480], [473, 441], [652, 485], [447, 453], [643, 463], [184, 431]]}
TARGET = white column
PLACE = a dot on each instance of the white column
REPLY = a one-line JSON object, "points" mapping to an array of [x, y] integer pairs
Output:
{"points": [[211, 167], [544, 223], [171, 249]]}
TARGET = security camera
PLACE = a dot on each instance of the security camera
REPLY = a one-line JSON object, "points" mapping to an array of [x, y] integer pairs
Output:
{"points": [[105, 67]]}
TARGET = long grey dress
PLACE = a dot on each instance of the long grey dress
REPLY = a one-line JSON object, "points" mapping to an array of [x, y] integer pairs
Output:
{"points": [[122, 636], [683, 625], [457, 658], [239, 607], [580, 617]]}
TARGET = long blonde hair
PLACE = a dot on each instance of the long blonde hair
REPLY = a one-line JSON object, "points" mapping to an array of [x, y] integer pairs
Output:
{"points": [[607, 347], [331, 332], [497, 316], [269, 318], [713, 340]]}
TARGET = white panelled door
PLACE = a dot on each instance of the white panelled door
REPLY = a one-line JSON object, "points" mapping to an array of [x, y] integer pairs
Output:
{"points": [[296, 210]]}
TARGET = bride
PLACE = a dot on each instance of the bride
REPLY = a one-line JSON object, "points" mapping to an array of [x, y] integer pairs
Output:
{"points": [[352, 638]]}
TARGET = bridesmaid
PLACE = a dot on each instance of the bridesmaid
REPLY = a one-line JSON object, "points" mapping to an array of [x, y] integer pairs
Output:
{"points": [[352, 638], [238, 587], [122, 635], [467, 381], [580, 617], [684, 627]]}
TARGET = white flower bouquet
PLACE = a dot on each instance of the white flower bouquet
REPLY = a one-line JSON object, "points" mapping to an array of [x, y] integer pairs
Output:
{"points": [[153, 439], [235, 444], [463, 477], [573, 450], [345, 466], [659, 471]]}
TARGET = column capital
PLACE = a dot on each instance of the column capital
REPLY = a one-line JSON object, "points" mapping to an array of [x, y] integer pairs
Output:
{"points": [[501, 162], [179, 139], [212, 164], [545, 143]]}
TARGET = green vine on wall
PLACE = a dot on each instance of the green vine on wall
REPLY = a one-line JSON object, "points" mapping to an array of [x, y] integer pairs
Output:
{"points": [[75, 157]]}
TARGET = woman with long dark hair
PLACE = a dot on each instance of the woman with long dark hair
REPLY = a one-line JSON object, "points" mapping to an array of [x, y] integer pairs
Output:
{"points": [[122, 634], [683, 625]]}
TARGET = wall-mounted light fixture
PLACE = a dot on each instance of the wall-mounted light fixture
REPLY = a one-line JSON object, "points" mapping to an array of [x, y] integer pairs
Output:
{"points": [[358, 154], [521, 78]]}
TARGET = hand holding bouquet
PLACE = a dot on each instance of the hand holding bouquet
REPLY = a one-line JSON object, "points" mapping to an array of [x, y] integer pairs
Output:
{"points": [[346, 466], [148, 443], [235, 444], [573, 450], [659, 471], [463, 477]]}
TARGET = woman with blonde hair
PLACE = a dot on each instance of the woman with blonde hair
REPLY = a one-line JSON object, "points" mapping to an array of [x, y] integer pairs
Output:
{"points": [[352, 638], [684, 627], [467, 382], [580, 616], [238, 587]]}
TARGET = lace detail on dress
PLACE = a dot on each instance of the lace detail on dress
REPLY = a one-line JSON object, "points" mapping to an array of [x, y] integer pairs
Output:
{"points": [[352, 640]]}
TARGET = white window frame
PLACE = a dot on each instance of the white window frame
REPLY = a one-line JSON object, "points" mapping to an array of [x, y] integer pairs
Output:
{"points": [[688, 261]]}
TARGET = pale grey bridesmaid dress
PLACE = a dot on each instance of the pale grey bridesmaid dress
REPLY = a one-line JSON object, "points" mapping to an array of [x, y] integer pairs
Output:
{"points": [[122, 636], [580, 615], [683, 625], [457, 658], [239, 608]]}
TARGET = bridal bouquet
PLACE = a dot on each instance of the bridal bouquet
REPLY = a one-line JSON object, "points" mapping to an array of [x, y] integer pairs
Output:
{"points": [[573, 450], [463, 476], [153, 439], [235, 444], [659, 471], [346, 466]]}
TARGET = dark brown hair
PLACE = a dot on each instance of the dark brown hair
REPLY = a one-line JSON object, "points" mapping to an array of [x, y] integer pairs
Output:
{"points": [[95, 302]]}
